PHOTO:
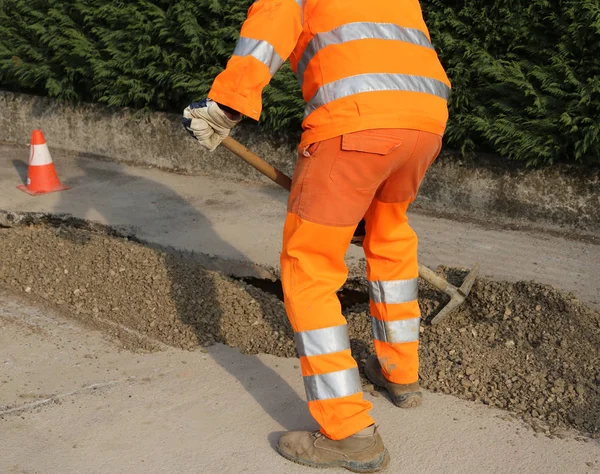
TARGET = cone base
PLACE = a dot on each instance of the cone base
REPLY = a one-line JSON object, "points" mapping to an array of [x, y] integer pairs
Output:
{"points": [[23, 188]]}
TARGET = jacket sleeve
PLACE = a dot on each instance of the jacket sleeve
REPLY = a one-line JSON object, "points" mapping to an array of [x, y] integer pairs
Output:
{"points": [[267, 38]]}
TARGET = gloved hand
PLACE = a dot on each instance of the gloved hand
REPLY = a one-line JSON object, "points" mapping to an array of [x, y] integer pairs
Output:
{"points": [[208, 123]]}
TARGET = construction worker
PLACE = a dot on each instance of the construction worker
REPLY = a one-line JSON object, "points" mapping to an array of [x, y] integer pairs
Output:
{"points": [[376, 109]]}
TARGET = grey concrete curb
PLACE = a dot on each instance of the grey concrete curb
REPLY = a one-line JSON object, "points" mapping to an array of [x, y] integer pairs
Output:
{"points": [[563, 198]]}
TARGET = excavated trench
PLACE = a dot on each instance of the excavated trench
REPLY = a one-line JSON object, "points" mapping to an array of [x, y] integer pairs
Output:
{"points": [[523, 347], [349, 296]]}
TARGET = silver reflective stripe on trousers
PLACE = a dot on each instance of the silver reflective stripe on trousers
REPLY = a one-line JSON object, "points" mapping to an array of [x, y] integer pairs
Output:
{"points": [[261, 50], [394, 291], [323, 341], [359, 31], [332, 385], [373, 83], [396, 331]]}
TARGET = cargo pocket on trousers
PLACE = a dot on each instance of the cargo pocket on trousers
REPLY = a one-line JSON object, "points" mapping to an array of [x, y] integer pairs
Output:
{"points": [[361, 159]]}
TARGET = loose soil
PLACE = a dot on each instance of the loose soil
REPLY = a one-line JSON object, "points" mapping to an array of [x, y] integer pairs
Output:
{"points": [[523, 347]]}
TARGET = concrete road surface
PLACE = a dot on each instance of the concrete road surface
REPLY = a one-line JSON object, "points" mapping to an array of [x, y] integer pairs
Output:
{"points": [[72, 402]]}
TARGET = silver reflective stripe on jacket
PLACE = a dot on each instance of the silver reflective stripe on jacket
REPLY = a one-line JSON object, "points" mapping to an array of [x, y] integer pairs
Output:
{"points": [[322, 341], [359, 31], [261, 50], [394, 291], [332, 385], [373, 83], [406, 330]]}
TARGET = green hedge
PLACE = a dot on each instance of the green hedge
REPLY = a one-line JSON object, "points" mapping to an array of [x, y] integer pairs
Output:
{"points": [[525, 74]]}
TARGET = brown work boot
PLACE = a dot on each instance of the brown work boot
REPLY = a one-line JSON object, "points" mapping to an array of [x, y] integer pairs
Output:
{"points": [[403, 396], [362, 452]]}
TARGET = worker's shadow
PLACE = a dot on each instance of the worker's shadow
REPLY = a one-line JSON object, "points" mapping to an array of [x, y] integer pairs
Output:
{"points": [[21, 168], [190, 281]]}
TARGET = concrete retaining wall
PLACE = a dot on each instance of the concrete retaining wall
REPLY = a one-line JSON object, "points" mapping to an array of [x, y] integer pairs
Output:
{"points": [[562, 197]]}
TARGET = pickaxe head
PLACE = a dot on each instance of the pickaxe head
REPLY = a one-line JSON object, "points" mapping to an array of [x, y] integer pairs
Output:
{"points": [[457, 295]]}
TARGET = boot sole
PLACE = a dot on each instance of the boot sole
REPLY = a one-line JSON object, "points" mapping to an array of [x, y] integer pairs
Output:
{"points": [[376, 465], [410, 400]]}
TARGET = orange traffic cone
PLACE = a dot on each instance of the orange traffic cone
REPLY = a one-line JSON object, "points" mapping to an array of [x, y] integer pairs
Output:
{"points": [[41, 175]]}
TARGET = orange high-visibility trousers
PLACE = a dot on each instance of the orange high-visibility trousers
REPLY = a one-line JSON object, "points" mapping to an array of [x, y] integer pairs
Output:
{"points": [[373, 174]]}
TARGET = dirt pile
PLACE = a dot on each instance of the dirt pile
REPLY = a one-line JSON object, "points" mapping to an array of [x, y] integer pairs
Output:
{"points": [[523, 347], [167, 297]]}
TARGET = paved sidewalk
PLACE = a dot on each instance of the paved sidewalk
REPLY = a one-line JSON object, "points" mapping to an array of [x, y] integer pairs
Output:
{"points": [[242, 223]]}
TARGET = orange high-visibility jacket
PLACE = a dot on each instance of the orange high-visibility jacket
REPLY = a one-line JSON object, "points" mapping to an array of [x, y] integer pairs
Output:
{"points": [[361, 65]]}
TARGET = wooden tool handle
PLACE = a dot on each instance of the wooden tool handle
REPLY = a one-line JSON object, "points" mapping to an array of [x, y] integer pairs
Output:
{"points": [[257, 162], [433, 278]]}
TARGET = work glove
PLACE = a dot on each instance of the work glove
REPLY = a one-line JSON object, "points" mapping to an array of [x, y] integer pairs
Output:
{"points": [[208, 123]]}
